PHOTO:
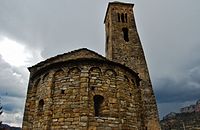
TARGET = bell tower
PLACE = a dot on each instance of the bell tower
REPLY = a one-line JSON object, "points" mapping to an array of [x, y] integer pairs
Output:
{"points": [[123, 45]]}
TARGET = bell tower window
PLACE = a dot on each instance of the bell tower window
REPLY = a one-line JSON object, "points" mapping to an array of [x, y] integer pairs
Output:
{"points": [[118, 17], [126, 17], [125, 33], [122, 17]]}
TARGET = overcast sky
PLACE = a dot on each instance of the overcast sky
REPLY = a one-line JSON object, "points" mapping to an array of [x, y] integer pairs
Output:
{"points": [[33, 30]]}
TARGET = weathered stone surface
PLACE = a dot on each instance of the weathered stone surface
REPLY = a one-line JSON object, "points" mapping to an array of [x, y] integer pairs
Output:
{"points": [[123, 45], [69, 106], [83, 90]]}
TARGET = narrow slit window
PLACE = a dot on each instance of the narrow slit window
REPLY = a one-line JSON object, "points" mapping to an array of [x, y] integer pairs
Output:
{"points": [[122, 17], [118, 17], [41, 106], [98, 101], [107, 38], [126, 17], [125, 33]]}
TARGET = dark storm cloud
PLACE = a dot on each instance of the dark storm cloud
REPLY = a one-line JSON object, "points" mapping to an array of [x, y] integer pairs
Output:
{"points": [[54, 26], [182, 84], [170, 40], [178, 90], [169, 90], [11, 80], [13, 86], [12, 104], [169, 31]]}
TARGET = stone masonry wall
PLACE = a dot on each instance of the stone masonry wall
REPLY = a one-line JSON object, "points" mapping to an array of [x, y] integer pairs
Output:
{"points": [[84, 96], [123, 45]]}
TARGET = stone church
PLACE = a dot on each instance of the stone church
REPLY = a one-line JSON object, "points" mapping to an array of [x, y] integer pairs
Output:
{"points": [[82, 90]]}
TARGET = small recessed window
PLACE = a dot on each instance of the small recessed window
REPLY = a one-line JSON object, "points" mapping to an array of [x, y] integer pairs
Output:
{"points": [[125, 33], [41, 106], [62, 91], [126, 17], [122, 17], [107, 38], [98, 101], [118, 17]]}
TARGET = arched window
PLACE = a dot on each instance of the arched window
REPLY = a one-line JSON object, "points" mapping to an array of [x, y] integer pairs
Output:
{"points": [[98, 101], [41, 106], [122, 17], [126, 17], [125, 32], [118, 17], [107, 38]]}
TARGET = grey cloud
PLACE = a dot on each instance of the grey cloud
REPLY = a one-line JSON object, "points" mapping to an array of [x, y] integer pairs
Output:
{"points": [[186, 88], [55, 26], [13, 87], [13, 84], [195, 74], [172, 93], [13, 104], [169, 34], [13, 118], [13, 81]]}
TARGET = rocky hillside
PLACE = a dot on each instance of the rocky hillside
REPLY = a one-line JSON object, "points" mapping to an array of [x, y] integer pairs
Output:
{"points": [[181, 121]]}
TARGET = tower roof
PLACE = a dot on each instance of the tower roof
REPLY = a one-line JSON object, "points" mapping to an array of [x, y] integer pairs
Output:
{"points": [[115, 3]]}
